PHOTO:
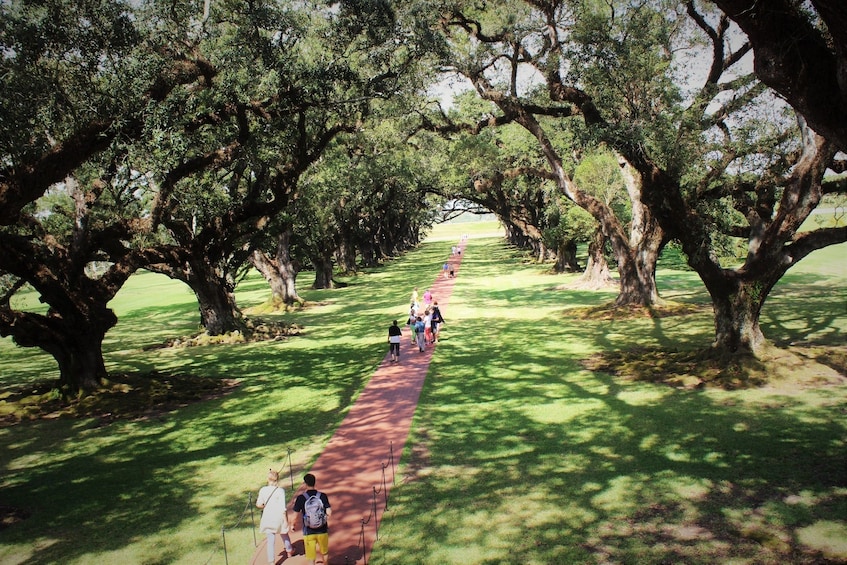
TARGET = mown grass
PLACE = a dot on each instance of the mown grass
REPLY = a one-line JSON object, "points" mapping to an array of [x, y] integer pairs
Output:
{"points": [[518, 453]]}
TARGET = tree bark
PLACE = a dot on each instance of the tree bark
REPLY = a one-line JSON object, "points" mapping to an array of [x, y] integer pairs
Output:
{"points": [[78, 318], [346, 256], [636, 252], [597, 273], [737, 307], [74, 341], [280, 272], [566, 261], [219, 313], [793, 57], [323, 271], [80, 359]]}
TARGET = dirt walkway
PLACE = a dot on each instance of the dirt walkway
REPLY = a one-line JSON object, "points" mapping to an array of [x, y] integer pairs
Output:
{"points": [[350, 468]]}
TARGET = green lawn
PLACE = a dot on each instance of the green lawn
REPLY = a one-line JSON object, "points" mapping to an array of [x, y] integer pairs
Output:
{"points": [[518, 453]]}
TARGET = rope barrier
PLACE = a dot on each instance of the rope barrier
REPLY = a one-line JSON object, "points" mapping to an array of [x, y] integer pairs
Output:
{"points": [[372, 513], [224, 528]]}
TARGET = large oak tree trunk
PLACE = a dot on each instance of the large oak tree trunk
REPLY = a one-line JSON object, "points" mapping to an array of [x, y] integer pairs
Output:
{"points": [[280, 272], [637, 271], [737, 308], [75, 341], [219, 313], [597, 273], [636, 252], [637, 261], [369, 253], [566, 257], [80, 359], [323, 271], [78, 318], [346, 256]]}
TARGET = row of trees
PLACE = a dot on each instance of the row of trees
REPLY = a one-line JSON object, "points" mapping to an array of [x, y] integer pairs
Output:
{"points": [[186, 142], [708, 152], [198, 141]]}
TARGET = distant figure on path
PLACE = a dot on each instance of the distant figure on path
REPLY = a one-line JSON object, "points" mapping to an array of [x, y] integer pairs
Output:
{"points": [[394, 334], [271, 500], [313, 509], [427, 298], [415, 304]]}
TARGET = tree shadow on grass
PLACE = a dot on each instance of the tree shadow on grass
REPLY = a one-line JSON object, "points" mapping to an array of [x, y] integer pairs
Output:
{"points": [[558, 465], [89, 479], [93, 476]]}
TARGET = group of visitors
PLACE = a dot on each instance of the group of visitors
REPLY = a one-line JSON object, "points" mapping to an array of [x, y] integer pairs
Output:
{"points": [[423, 328], [425, 319], [311, 508]]}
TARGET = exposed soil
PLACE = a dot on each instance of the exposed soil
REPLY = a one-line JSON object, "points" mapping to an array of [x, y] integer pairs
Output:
{"points": [[124, 396], [632, 311], [782, 368], [254, 331], [799, 365], [132, 396]]}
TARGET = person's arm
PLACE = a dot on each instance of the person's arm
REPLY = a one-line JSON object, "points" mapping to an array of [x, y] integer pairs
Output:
{"points": [[296, 512]]}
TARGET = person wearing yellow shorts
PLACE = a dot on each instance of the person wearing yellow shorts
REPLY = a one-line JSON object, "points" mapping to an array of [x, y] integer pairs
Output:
{"points": [[313, 510]]}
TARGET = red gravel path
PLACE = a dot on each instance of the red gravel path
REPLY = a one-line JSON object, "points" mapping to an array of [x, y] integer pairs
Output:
{"points": [[351, 465]]}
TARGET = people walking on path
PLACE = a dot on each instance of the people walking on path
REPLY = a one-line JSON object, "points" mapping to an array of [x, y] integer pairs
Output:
{"points": [[436, 320], [355, 455], [420, 336], [415, 300], [271, 500], [313, 510], [427, 296], [394, 334], [427, 320], [411, 323]]}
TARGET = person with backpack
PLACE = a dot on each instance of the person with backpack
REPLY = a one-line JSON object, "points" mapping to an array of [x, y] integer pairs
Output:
{"points": [[312, 507]]}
